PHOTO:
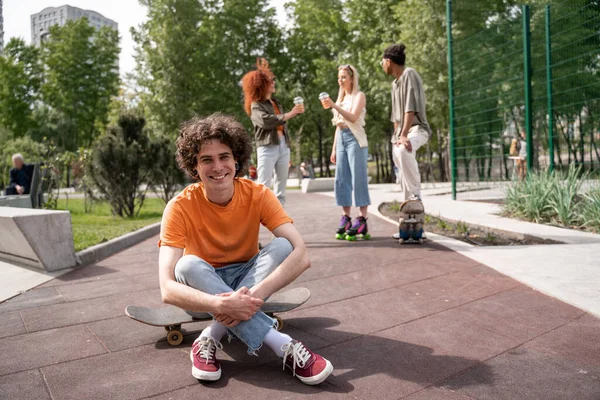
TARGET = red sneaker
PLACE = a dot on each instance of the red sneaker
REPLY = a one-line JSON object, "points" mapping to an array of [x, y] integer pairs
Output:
{"points": [[307, 366], [205, 365]]}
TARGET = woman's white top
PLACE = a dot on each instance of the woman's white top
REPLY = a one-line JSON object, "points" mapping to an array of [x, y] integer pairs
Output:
{"points": [[357, 127]]}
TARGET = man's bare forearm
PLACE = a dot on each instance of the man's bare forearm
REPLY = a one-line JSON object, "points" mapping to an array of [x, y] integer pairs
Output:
{"points": [[188, 298], [407, 124]]}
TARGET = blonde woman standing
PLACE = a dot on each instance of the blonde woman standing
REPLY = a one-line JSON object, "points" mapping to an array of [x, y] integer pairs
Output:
{"points": [[349, 153]]}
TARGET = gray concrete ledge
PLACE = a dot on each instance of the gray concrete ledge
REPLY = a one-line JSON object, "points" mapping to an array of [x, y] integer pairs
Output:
{"points": [[103, 250], [320, 184], [41, 239]]}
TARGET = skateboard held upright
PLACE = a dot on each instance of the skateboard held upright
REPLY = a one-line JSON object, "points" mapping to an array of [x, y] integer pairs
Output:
{"points": [[412, 219]]}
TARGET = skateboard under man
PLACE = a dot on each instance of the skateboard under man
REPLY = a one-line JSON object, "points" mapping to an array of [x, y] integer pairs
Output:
{"points": [[171, 318], [412, 219]]}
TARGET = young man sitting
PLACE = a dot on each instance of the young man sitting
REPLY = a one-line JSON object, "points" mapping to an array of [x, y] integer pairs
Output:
{"points": [[209, 259]]}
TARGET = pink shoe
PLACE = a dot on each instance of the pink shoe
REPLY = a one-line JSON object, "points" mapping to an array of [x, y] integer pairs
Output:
{"points": [[307, 366], [205, 365]]}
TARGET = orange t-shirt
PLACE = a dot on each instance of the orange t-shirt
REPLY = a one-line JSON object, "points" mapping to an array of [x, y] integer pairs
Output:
{"points": [[277, 111], [221, 235]]}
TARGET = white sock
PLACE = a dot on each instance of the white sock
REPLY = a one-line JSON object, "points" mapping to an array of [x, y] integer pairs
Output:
{"points": [[215, 330], [275, 339]]}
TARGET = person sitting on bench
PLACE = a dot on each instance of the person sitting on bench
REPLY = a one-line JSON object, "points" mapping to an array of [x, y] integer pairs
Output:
{"points": [[209, 259], [20, 182]]}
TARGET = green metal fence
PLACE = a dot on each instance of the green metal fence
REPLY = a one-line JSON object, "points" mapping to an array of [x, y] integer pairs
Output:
{"points": [[530, 71]]}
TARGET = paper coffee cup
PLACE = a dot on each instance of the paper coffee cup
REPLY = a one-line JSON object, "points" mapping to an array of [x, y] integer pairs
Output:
{"points": [[298, 100], [322, 97]]}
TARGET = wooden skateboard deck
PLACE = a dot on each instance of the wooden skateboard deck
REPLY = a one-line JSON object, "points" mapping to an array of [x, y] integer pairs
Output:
{"points": [[171, 318]]}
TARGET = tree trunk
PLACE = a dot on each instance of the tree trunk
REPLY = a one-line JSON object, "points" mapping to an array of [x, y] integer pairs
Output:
{"points": [[593, 147], [377, 166], [390, 159], [299, 147], [581, 140], [441, 152], [429, 157], [320, 130], [505, 150]]}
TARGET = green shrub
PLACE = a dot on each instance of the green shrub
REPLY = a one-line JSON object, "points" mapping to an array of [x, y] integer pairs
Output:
{"points": [[563, 199], [395, 206], [120, 164], [443, 224], [552, 198], [590, 210], [462, 227]]}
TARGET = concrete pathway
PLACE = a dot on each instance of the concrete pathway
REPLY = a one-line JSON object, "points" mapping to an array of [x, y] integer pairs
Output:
{"points": [[17, 279], [413, 322], [569, 272]]}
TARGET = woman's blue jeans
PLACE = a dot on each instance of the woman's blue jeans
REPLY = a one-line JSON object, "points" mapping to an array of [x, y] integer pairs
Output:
{"points": [[351, 171]]}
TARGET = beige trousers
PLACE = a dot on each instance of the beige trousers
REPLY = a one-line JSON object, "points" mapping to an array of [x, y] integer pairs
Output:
{"points": [[406, 162]]}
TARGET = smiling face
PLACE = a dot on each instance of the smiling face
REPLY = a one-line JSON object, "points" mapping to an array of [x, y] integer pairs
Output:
{"points": [[216, 169], [345, 80]]}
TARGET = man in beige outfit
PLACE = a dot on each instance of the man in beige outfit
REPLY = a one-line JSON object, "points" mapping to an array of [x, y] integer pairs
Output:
{"points": [[411, 129]]}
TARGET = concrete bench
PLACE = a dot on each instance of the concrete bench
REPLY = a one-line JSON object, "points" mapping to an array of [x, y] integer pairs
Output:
{"points": [[41, 239], [320, 185]]}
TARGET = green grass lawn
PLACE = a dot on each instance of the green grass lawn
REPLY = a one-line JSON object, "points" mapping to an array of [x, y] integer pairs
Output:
{"points": [[100, 225]]}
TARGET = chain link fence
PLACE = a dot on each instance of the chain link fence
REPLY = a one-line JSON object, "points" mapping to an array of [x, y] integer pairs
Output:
{"points": [[528, 79]]}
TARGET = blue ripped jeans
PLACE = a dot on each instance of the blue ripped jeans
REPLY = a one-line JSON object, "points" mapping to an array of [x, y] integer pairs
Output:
{"points": [[197, 273]]}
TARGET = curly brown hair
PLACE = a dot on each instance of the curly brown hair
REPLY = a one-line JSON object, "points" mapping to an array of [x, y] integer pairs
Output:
{"points": [[225, 128], [256, 83]]}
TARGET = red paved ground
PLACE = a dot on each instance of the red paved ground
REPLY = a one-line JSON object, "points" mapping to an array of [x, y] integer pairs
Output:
{"points": [[416, 322]]}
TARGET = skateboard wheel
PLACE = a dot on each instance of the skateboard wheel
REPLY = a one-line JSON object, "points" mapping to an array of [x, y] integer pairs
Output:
{"points": [[339, 236], [367, 236], [350, 238], [174, 337], [421, 241], [401, 241], [279, 323]]}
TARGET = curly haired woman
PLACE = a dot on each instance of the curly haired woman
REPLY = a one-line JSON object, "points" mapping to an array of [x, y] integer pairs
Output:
{"points": [[270, 130]]}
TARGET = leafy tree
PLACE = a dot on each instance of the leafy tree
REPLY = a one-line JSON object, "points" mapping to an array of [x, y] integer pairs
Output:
{"points": [[423, 31], [374, 26], [51, 123], [317, 41], [121, 163], [192, 54], [81, 75], [20, 79]]}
